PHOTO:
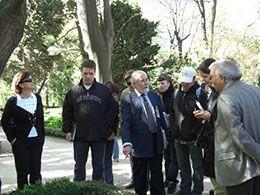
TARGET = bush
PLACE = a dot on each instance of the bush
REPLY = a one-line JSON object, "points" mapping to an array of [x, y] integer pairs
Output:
{"points": [[63, 186], [53, 126]]}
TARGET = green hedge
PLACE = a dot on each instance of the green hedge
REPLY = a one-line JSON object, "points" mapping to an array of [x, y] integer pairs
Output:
{"points": [[63, 186], [53, 126]]}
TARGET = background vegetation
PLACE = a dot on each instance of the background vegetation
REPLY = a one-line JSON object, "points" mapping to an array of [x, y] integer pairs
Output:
{"points": [[52, 47], [64, 186]]}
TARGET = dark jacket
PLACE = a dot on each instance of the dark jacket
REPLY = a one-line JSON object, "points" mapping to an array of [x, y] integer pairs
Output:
{"points": [[17, 122], [116, 118], [208, 134], [167, 102], [167, 99], [134, 128], [185, 125], [89, 114]]}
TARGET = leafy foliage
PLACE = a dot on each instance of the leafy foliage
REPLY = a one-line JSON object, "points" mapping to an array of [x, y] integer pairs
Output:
{"points": [[53, 126], [170, 65], [63, 186], [44, 24], [133, 48]]}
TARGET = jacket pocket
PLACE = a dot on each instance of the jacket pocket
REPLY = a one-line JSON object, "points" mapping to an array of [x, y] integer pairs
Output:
{"points": [[226, 156]]}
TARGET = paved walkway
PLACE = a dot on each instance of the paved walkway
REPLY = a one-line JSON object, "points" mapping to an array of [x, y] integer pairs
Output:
{"points": [[57, 161]]}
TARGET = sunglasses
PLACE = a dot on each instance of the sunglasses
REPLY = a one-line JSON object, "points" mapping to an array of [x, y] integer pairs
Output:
{"points": [[26, 80]]}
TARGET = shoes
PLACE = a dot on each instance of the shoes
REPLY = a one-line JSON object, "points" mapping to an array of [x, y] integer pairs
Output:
{"points": [[179, 192], [171, 187], [211, 192], [129, 186], [116, 160]]}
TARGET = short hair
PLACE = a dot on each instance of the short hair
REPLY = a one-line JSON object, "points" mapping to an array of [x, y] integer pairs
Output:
{"points": [[88, 64], [128, 74], [17, 80], [135, 76], [113, 87], [204, 65], [164, 77], [226, 68]]}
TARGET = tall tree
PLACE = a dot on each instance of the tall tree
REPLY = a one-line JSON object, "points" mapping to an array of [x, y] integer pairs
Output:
{"points": [[45, 23], [12, 21], [133, 47], [208, 38], [182, 18], [97, 35]]}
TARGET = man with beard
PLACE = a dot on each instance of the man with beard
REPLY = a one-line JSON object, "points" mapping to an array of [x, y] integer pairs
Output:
{"points": [[142, 124]]}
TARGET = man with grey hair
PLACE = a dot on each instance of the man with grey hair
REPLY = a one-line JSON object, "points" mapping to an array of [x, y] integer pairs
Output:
{"points": [[237, 133], [142, 124]]}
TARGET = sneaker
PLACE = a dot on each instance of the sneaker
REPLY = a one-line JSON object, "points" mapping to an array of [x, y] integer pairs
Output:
{"points": [[129, 186], [211, 192]]}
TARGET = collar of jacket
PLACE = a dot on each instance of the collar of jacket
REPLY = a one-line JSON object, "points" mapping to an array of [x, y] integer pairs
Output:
{"points": [[81, 83], [192, 89]]}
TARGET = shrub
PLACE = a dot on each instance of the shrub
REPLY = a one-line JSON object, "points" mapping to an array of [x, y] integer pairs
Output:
{"points": [[63, 186], [53, 126]]}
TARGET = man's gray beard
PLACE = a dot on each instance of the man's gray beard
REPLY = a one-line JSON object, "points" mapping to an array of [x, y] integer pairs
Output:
{"points": [[146, 90]]}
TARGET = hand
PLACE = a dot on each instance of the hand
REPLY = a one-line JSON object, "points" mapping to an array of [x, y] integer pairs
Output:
{"points": [[111, 137], [68, 136], [127, 150], [12, 142], [203, 114]]}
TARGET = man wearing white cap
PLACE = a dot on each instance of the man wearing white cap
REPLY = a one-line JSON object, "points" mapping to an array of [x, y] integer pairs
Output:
{"points": [[185, 128]]}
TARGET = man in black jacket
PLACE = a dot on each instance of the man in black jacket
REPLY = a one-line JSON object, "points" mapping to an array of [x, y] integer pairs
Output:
{"points": [[185, 128], [87, 117]]}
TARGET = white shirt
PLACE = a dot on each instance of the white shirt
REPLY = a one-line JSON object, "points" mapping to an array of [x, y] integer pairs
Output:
{"points": [[28, 104]]}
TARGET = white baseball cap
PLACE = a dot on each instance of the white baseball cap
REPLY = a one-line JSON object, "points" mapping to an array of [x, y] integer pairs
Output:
{"points": [[187, 74]]}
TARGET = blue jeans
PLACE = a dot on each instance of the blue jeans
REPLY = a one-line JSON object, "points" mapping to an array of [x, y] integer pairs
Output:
{"points": [[81, 156], [184, 152], [116, 149], [109, 178]]}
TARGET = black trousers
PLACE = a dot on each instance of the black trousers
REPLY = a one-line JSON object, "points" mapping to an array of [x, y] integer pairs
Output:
{"points": [[249, 187], [27, 157], [81, 156], [140, 167]]}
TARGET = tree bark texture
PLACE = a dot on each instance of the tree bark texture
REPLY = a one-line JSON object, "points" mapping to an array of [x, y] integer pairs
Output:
{"points": [[213, 18], [201, 6], [97, 37], [13, 16]]}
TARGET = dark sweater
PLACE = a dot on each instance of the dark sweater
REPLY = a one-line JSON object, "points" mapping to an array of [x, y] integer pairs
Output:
{"points": [[89, 114], [17, 122]]}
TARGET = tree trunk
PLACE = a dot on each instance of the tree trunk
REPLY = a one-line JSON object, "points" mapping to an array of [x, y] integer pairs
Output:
{"points": [[12, 21], [97, 39], [213, 18], [201, 6], [41, 86]]}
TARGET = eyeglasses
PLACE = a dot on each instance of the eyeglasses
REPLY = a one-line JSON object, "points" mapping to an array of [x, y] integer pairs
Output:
{"points": [[28, 79]]}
